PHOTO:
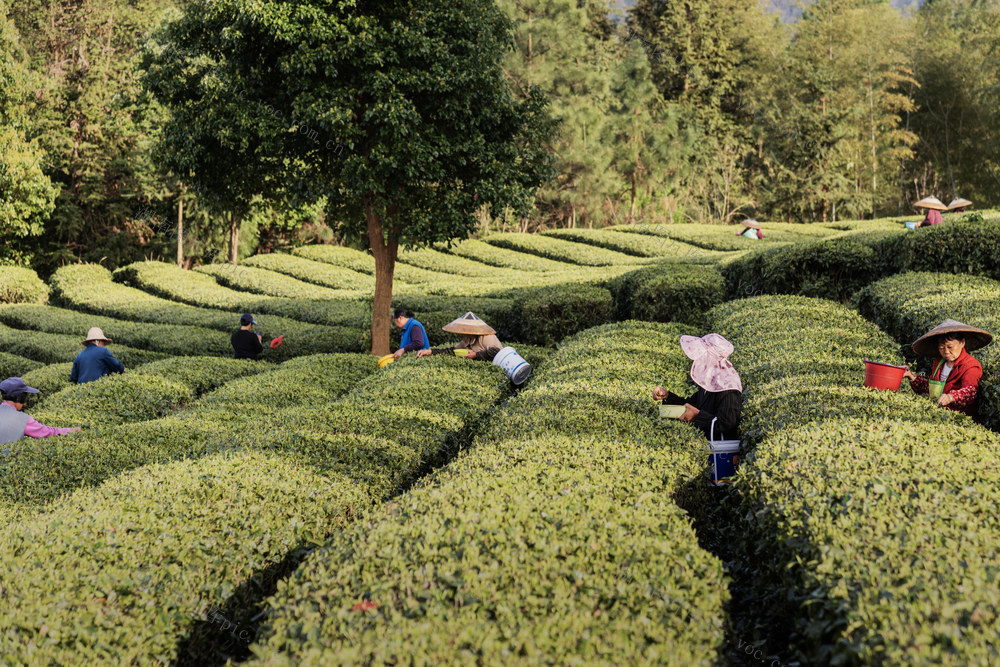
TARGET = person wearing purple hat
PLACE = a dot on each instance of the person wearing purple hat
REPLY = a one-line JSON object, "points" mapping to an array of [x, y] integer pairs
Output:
{"points": [[720, 392], [15, 424], [246, 344]]}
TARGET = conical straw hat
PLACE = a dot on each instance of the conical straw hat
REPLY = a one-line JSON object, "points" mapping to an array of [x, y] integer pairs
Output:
{"points": [[931, 202], [926, 345], [469, 325], [95, 333], [959, 203], [751, 223]]}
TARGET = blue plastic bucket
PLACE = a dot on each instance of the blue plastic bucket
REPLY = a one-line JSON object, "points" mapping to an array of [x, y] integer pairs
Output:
{"points": [[724, 458]]}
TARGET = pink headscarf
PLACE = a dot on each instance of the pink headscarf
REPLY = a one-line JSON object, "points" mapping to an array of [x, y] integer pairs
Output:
{"points": [[711, 370]]}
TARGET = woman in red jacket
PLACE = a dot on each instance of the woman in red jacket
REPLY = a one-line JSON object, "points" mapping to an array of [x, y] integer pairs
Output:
{"points": [[950, 343]]}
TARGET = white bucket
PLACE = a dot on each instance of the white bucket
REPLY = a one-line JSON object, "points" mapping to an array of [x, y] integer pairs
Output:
{"points": [[513, 364]]}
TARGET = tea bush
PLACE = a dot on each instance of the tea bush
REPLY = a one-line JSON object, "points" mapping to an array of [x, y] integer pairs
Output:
{"points": [[50, 348], [262, 281], [20, 284], [443, 262], [563, 251], [203, 374], [643, 246], [483, 560], [113, 399], [718, 237], [12, 365], [125, 571], [174, 339], [831, 268], [319, 273], [850, 497], [481, 251], [49, 379], [362, 262], [667, 293]]}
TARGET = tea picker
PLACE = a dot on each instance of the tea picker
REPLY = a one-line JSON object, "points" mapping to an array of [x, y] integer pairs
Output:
{"points": [[248, 344], [479, 342], [954, 378], [715, 408]]}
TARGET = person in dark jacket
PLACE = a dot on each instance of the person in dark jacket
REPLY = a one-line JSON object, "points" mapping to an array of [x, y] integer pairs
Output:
{"points": [[15, 424], [720, 391], [414, 334], [246, 344], [95, 361]]}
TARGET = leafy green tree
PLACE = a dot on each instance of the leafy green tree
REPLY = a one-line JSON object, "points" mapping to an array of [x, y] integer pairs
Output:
{"points": [[397, 112], [27, 195], [958, 101], [93, 123], [836, 138], [561, 50]]}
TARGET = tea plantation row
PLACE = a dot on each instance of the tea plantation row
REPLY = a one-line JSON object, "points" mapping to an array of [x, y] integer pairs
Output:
{"points": [[869, 521], [553, 539]]}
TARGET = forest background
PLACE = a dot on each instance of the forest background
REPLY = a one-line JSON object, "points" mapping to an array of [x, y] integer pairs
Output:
{"points": [[701, 111]]}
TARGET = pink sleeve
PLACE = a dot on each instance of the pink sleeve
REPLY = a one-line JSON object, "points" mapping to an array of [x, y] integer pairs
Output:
{"points": [[35, 430]]}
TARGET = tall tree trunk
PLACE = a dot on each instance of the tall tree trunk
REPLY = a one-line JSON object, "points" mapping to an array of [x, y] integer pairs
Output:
{"points": [[180, 231], [385, 267], [234, 238]]}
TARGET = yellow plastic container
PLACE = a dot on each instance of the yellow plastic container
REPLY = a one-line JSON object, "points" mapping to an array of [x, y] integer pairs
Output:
{"points": [[386, 360], [672, 411], [460, 352]]}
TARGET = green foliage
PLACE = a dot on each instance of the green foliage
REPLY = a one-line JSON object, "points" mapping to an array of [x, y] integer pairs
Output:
{"points": [[638, 245], [49, 379], [12, 365], [53, 348], [542, 488], [27, 196], [544, 316], [113, 399], [831, 268], [202, 374], [562, 251], [436, 260], [125, 550], [313, 271], [725, 237], [22, 285], [262, 281], [667, 293], [481, 251]]}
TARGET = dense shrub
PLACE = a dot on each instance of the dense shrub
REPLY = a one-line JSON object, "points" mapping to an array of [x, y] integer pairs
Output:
{"points": [[252, 279], [174, 339], [442, 262], [203, 374], [562, 251], [319, 273], [12, 365], [850, 497], [54, 348], [362, 262], [481, 251], [483, 559], [19, 284], [955, 246], [546, 315], [113, 399], [719, 237], [638, 245], [667, 293], [124, 572], [831, 268], [49, 379]]}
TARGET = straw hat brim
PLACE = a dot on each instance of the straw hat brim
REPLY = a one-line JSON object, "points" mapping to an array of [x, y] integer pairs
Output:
{"points": [[959, 203], [469, 325], [751, 223], [931, 202], [975, 338]]}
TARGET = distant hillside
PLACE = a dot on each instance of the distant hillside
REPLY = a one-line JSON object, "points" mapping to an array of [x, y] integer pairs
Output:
{"points": [[788, 9]]}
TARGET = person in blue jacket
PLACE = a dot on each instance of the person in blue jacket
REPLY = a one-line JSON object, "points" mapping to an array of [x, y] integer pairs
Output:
{"points": [[95, 361], [414, 335]]}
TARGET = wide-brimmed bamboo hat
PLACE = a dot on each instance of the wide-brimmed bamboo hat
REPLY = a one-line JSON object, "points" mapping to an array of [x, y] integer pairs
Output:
{"points": [[926, 345], [931, 202], [751, 223], [959, 203], [469, 325], [95, 333]]}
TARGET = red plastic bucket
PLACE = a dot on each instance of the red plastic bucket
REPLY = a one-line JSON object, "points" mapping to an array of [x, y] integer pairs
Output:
{"points": [[883, 376]]}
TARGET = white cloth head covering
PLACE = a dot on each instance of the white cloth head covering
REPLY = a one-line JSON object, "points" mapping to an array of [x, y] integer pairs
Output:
{"points": [[711, 370]]}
